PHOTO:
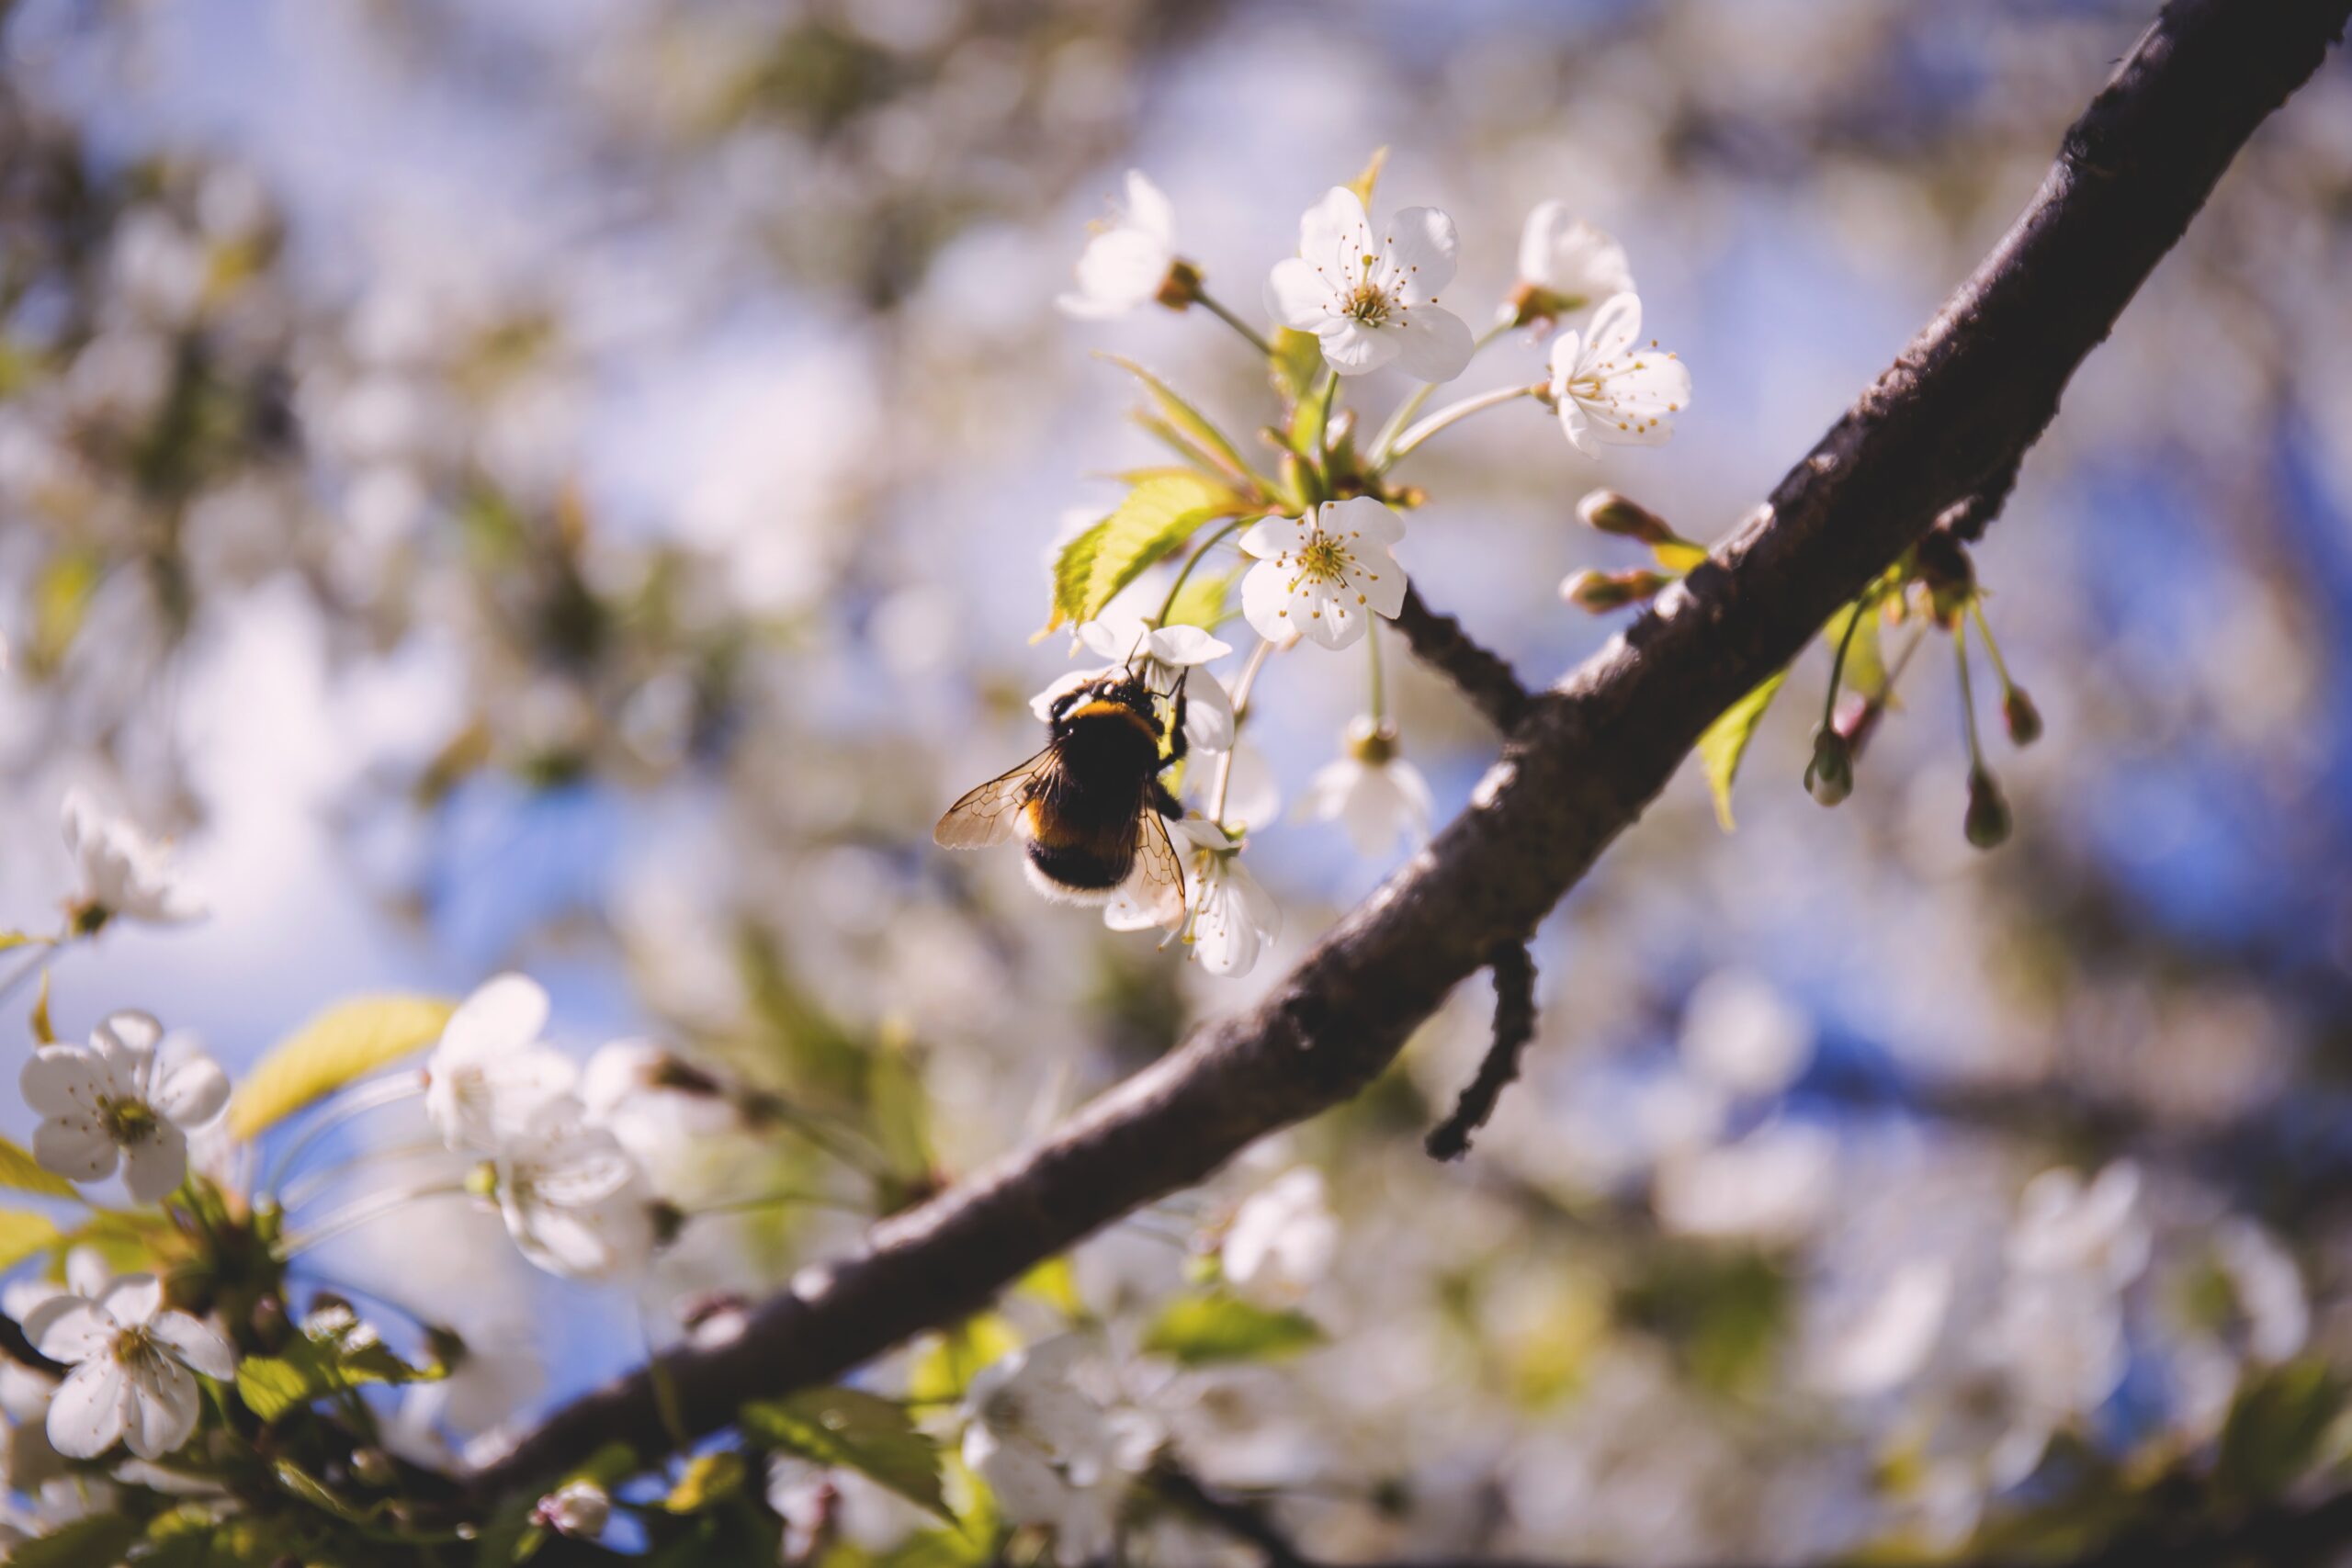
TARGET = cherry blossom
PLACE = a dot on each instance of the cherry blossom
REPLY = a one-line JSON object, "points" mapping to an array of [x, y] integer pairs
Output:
{"points": [[490, 1074], [1613, 389], [1161, 654], [573, 1199], [1282, 1239], [1373, 300], [1127, 261], [1232, 918], [119, 1100], [133, 1361], [1566, 265], [123, 872], [1372, 793], [1320, 575]]}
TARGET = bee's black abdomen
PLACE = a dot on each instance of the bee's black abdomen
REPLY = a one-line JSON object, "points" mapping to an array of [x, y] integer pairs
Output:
{"points": [[1081, 868]]}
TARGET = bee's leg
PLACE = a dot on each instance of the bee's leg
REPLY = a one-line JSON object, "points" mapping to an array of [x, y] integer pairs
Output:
{"points": [[1164, 801], [1177, 744], [1061, 706]]}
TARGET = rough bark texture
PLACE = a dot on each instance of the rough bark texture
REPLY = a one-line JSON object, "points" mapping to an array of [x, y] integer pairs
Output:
{"points": [[1946, 424]]}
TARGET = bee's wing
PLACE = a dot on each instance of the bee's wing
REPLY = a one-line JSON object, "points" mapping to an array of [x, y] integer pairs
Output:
{"points": [[989, 814], [1156, 886]]}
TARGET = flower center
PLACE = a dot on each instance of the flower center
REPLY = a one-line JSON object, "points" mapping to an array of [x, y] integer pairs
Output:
{"points": [[1367, 302], [1324, 560], [128, 1122], [134, 1347]]}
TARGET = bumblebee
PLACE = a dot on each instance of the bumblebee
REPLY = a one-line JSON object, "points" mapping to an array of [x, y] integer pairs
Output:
{"points": [[1088, 807]]}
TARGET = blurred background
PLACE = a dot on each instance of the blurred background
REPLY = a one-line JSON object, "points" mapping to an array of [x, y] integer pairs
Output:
{"points": [[566, 486]]}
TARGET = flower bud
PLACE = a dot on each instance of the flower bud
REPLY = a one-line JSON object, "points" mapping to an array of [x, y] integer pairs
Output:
{"points": [[1531, 304], [1599, 591], [576, 1508], [374, 1466], [2024, 720], [1988, 813], [1830, 776], [1612, 512], [1941, 566]]}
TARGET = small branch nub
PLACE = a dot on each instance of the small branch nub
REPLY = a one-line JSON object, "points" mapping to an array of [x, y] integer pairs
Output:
{"points": [[1513, 969]]}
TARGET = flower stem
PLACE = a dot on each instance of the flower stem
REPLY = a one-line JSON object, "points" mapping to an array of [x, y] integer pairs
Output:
{"points": [[1967, 700], [339, 1111], [1169, 604], [1331, 398], [366, 1212], [1838, 664], [1249, 333], [775, 1200], [297, 1193], [1242, 690], [1379, 686], [1381, 447], [1985, 630], [43, 950], [1453, 413]]}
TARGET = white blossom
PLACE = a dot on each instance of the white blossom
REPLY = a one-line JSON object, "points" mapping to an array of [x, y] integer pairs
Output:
{"points": [[578, 1508], [1282, 1238], [118, 1099], [25, 1392], [1232, 919], [1126, 261], [573, 1199], [133, 1361], [1742, 1035], [1372, 793], [1051, 1452], [1371, 300], [2268, 1287], [1611, 389], [1887, 1345], [1163, 653], [1566, 265], [1318, 574], [123, 872], [490, 1074], [2067, 1227], [1770, 1186]]}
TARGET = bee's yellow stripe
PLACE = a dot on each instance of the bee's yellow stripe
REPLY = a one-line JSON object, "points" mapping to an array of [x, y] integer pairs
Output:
{"points": [[1099, 710]]}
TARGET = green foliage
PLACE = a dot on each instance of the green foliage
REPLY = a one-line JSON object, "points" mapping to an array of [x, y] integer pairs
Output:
{"points": [[2275, 1428], [20, 1171], [22, 1235], [850, 1429], [945, 1364], [1865, 668], [1213, 1327], [1189, 431], [1297, 360], [1725, 742], [1365, 183], [710, 1479], [1158, 515], [345, 1041], [1202, 599], [82, 1544], [318, 1364], [1723, 1313]]}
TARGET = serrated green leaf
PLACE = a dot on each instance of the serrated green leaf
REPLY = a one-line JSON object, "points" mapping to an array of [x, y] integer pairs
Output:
{"points": [[22, 1235], [1365, 183], [1196, 431], [711, 1478], [1158, 517], [19, 1170], [101, 1539], [851, 1430], [345, 1041], [1725, 742], [1217, 1326], [1296, 361], [2275, 1428]]}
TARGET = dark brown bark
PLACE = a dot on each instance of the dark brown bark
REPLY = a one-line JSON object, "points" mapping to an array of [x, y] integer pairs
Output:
{"points": [[1513, 969], [1945, 423]]}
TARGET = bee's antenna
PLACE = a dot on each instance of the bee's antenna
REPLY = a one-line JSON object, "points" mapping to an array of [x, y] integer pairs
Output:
{"points": [[1140, 636]]}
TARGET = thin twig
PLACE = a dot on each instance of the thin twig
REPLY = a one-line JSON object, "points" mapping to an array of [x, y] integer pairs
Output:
{"points": [[1439, 641], [1513, 968]]}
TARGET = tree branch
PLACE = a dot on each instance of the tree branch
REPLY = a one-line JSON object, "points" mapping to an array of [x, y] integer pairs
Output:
{"points": [[1969, 394], [1513, 968], [1485, 677]]}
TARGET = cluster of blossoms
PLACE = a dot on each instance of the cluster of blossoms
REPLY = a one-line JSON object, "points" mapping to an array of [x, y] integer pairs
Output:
{"points": [[1315, 545]]}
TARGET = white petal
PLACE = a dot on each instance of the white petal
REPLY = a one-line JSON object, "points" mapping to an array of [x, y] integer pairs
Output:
{"points": [[1273, 537], [64, 1081], [1571, 257], [1328, 792], [1330, 618], [1433, 343], [1577, 427], [1616, 330], [1361, 521], [156, 1163], [133, 1299], [1537, 238], [1413, 792], [1019, 1475], [505, 1014], [1264, 915], [165, 1404], [75, 1148], [1352, 348], [1265, 601], [1111, 639], [1148, 208], [1042, 705], [1208, 715], [138, 1033], [1422, 248], [196, 1343], [1253, 793], [1198, 833], [1298, 295], [1118, 271], [69, 1329], [1335, 235], [91, 1409], [191, 1092], [87, 1273], [1566, 353], [1382, 582], [1181, 647]]}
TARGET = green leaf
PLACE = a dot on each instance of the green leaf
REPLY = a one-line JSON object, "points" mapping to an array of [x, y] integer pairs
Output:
{"points": [[1725, 1314], [1679, 556], [1298, 361], [1310, 419], [1196, 431], [271, 1386], [1725, 742], [1054, 1282], [18, 939], [317, 1364], [1364, 184], [711, 1478], [899, 1108], [1865, 667], [1217, 1326], [103, 1537], [2275, 1428], [22, 1235], [946, 1363], [19, 1170], [61, 598], [1201, 601], [345, 1041], [1158, 517], [851, 1430]]}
